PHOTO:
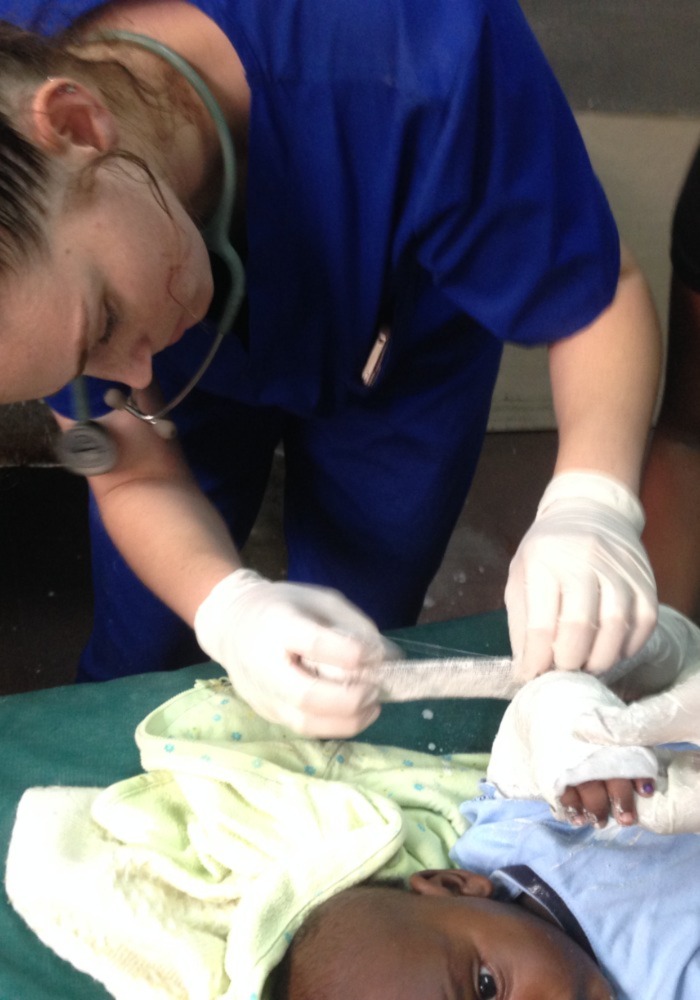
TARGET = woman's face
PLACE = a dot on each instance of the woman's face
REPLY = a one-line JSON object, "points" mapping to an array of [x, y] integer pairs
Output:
{"points": [[122, 280]]}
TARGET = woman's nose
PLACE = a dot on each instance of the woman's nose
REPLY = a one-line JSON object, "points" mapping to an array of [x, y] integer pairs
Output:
{"points": [[138, 365]]}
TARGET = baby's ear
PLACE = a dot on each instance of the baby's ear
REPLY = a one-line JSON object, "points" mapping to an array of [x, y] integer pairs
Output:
{"points": [[451, 882]]}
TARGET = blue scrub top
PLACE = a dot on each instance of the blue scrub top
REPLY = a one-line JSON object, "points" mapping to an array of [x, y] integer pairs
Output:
{"points": [[410, 164]]}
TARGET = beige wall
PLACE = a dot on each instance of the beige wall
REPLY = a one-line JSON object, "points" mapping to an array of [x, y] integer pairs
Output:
{"points": [[641, 162]]}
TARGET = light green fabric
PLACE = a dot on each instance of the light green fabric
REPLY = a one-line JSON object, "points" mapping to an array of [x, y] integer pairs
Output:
{"points": [[233, 833]]}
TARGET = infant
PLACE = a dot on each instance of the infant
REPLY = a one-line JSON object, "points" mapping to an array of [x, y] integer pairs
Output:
{"points": [[549, 898], [538, 909], [450, 933]]}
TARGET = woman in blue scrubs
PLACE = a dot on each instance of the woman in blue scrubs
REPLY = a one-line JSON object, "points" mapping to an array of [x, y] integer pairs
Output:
{"points": [[412, 193]]}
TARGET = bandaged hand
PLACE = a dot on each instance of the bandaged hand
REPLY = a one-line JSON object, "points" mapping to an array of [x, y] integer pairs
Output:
{"points": [[537, 756], [267, 636], [673, 716], [580, 592], [675, 806]]}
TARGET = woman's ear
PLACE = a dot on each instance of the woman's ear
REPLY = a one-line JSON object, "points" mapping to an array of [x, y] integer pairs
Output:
{"points": [[451, 882], [66, 114]]}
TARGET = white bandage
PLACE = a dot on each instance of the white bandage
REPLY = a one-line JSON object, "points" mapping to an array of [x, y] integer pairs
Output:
{"points": [[535, 754]]}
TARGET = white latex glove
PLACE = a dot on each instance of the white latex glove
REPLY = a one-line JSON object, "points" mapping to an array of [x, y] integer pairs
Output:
{"points": [[263, 633], [580, 592], [673, 653], [536, 755]]}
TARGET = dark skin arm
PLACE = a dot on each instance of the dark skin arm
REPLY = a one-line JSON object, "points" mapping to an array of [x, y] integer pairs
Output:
{"points": [[671, 485]]}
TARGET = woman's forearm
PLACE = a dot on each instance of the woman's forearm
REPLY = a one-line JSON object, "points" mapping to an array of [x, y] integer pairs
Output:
{"points": [[604, 384], [158, 518]]}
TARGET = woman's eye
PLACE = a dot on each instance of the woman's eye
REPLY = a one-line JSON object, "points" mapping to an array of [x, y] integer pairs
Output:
{"points": [[110, 324], [487, 988]]}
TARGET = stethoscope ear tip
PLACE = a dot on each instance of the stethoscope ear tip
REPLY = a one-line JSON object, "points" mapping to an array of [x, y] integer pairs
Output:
{"points": [[165, 429], [116, 399]]}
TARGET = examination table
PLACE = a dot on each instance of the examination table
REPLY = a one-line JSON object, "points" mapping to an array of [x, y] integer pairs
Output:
{"points": [[83, 735]]}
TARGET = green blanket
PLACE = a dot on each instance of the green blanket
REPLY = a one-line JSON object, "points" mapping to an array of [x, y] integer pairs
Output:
{"points": [[84, 736]]}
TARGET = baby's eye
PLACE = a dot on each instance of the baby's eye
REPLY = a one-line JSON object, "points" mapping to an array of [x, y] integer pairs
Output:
{"points": [[487, 987]]}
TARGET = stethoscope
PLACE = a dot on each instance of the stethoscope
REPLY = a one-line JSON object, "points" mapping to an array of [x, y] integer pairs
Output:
{"points": [[87, 448]]}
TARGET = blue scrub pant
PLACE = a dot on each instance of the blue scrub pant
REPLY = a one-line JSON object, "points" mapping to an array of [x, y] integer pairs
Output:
{"points": [[371, 496]]}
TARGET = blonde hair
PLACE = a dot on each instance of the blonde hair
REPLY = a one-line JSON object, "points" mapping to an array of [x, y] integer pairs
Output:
{"points": [[25, 171]]}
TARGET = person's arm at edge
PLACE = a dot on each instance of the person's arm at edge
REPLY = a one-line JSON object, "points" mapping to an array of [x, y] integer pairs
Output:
{"points": [[580, 591], [671, 482]]}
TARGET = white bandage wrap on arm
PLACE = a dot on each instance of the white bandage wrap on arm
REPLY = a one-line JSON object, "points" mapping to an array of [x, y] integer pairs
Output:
{"points": [[535, 754], [675, 805]]}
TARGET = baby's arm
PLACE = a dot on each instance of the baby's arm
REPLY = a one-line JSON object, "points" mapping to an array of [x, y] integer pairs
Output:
{"points": [[669, 664], [536, 755]]}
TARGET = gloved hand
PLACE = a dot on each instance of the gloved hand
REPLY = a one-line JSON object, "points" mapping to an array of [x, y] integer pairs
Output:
{"points": [[580, 592], [267, 636], [537, 756], [673, 716]]}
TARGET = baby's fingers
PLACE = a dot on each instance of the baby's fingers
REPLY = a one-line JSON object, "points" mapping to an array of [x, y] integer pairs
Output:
{"points": [[621, 797], [593, 802], [622, 802], [588, 803]]}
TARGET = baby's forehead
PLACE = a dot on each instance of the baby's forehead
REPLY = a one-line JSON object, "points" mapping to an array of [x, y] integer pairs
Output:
{"points": [[343, 950], [353, 908], [358, 917], [373, 901]]}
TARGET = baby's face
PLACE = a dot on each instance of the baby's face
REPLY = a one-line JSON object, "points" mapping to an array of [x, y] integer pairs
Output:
{"points": [[409, 946]]}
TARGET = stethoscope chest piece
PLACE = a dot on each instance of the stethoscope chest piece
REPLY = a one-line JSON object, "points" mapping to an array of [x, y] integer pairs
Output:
{"points": [[87, 449]]}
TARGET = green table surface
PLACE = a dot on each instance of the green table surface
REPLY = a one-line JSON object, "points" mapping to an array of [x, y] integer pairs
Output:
{"points": [[83, 735]]}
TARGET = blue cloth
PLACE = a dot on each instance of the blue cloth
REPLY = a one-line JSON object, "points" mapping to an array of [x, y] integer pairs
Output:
{"points": [[634, 893], [410, 165]]}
